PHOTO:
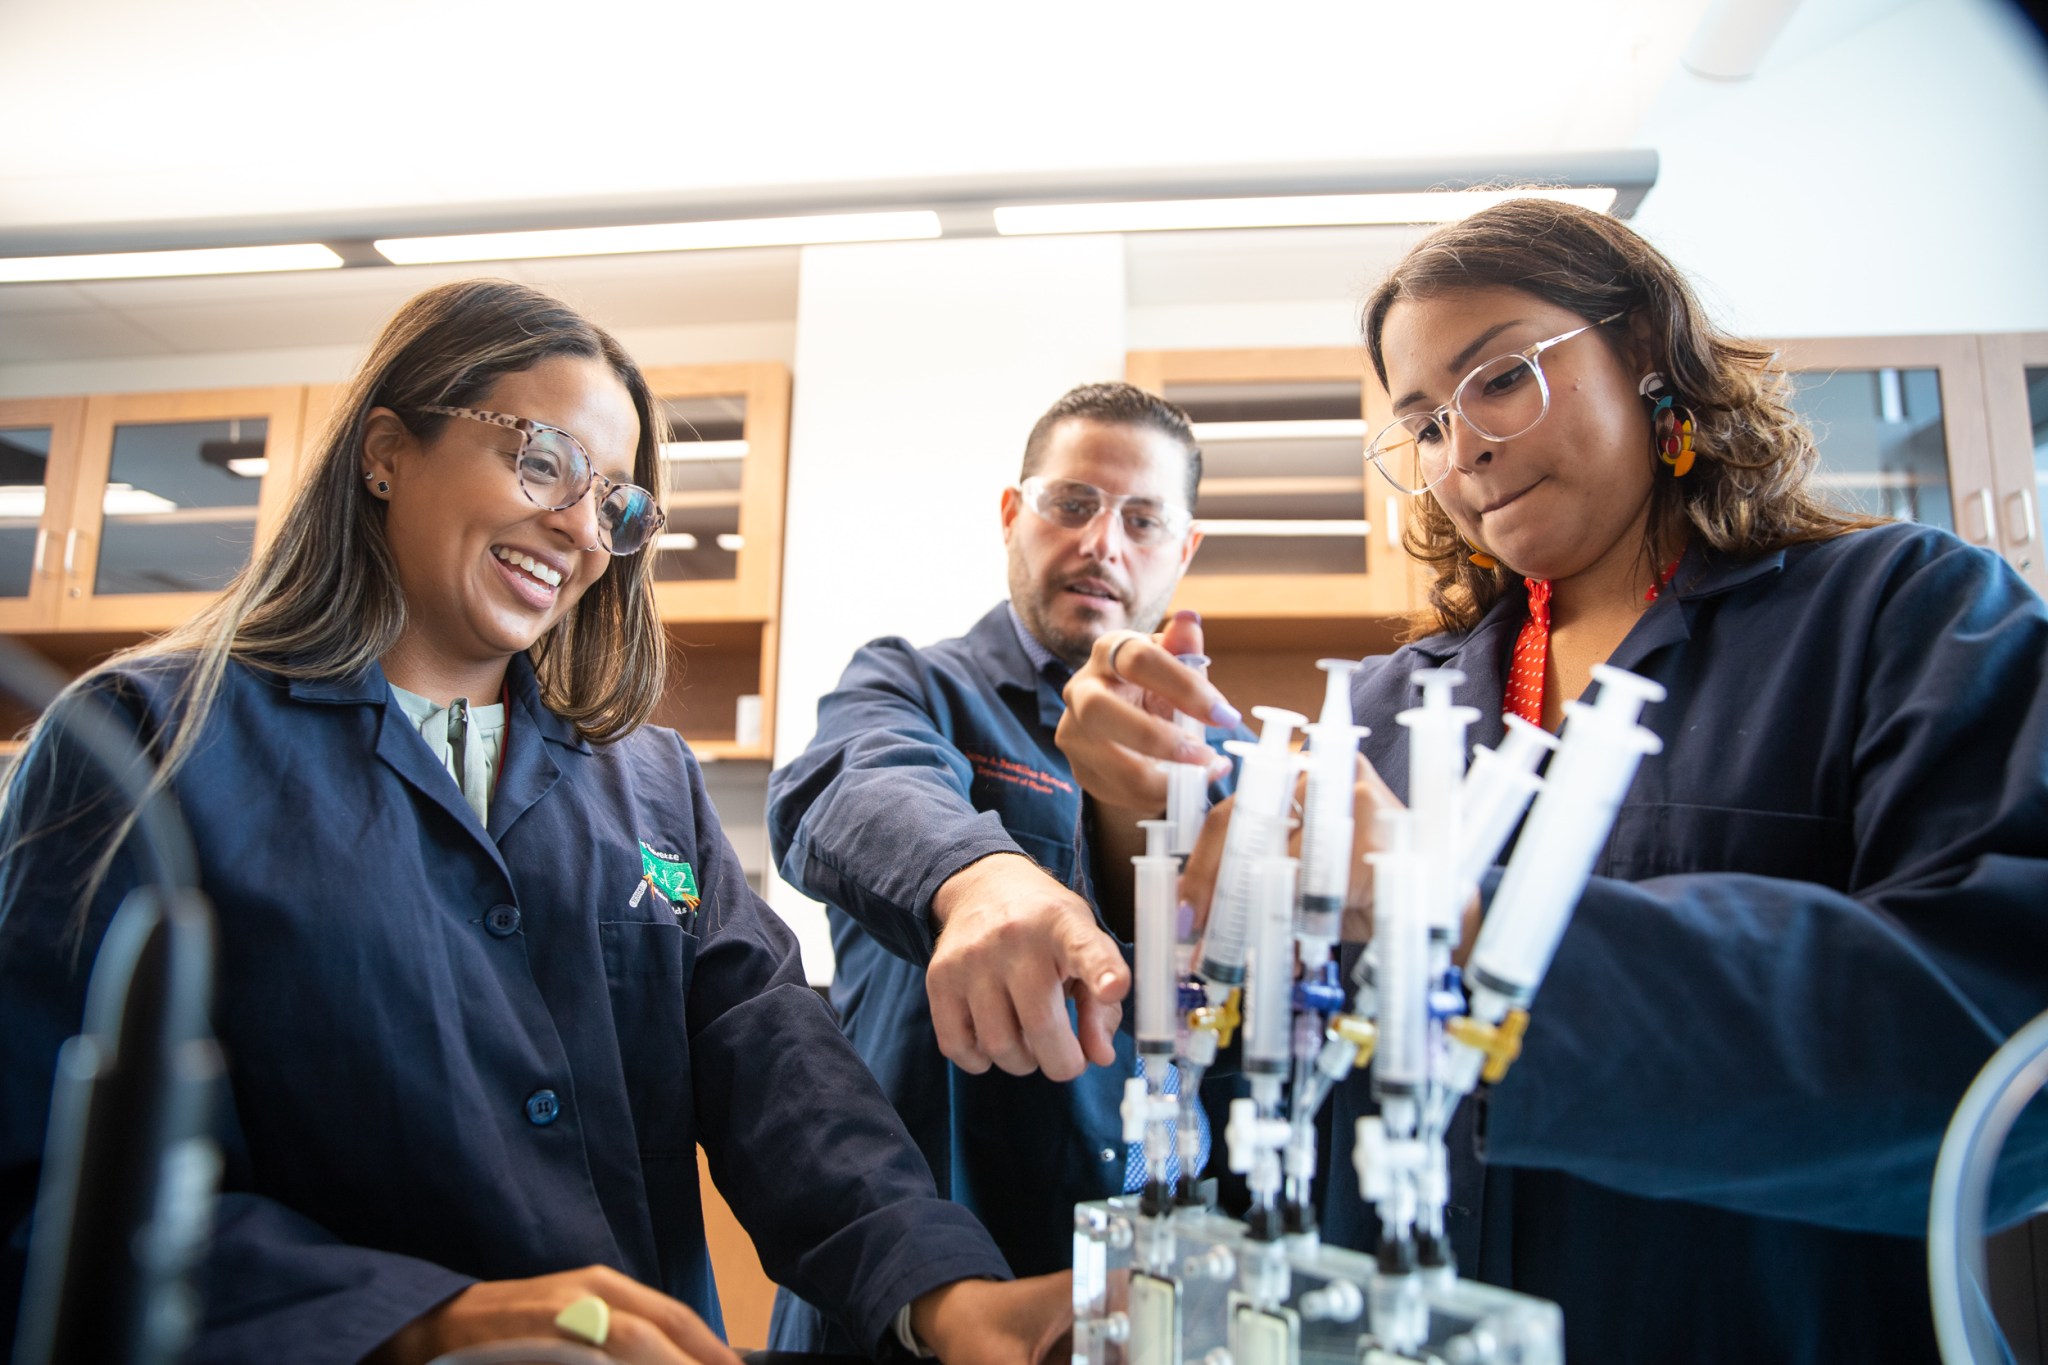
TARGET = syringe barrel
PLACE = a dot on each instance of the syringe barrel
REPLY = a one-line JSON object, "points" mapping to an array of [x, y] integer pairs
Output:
{"points": [[1158, 989], [1494, 796], [1581, 793], [1269, 1018], [1401, 943], [1187, 784], [1327, 828], [1252, 837]]}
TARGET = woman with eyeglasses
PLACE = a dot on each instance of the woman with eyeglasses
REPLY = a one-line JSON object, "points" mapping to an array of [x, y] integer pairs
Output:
{"points": [[1822, 907], [489, 972]]}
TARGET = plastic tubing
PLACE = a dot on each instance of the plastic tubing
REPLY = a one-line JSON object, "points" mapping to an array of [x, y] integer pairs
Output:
{"points": [[1963, 1328], [1187, 784], [1596, 759], [1257, 827], [1401, 936], [1327, 826], [1436, 767], [1269, 1018], [1158, 992]]}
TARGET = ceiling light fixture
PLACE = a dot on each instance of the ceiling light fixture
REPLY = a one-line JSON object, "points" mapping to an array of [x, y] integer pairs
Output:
{"points": [[1305, 210], [803, 230], [134, 265]]}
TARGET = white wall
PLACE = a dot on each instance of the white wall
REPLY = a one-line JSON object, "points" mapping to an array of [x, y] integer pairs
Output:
{"points": [[1892, 180], [921, 367]]}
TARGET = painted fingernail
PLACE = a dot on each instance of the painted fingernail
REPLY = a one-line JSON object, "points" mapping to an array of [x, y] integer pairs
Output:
{"points": [[1224, 716], [1184, 922], [1188, 616]]}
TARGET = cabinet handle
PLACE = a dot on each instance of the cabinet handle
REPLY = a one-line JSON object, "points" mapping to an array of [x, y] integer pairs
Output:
{"points": [[1981, 499], [42, 547], [2019, 517]]}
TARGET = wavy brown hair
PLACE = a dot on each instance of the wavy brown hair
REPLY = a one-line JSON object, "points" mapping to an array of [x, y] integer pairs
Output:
{"points": [[1747, 492]]}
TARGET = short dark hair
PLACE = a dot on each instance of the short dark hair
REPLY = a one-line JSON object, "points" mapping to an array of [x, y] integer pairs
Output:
{"points": [[1116, 404]]}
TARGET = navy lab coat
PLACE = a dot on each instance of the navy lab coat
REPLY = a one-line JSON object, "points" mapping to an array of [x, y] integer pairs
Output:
{"points": [[926, 760], [1822, 907], [461, 1054]]}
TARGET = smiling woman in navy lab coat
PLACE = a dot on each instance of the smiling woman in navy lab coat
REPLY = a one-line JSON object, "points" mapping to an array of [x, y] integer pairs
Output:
{"points": [[489, 971], [1822, 906]]}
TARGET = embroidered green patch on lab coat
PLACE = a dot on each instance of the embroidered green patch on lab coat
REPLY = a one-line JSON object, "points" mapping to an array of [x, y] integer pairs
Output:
{"points": [[671, 876]]}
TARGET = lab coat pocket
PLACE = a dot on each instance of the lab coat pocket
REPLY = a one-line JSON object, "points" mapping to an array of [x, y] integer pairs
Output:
{"points": [[648, 965], [1672, 839]]}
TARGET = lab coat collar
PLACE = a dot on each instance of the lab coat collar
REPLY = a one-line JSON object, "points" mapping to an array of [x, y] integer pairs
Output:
{"points": [[1482, 653], [1010, 670], [526, 771]]}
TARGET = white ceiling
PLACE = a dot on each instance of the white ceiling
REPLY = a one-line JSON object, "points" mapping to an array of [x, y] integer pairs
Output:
{"points": [[230, 117]]}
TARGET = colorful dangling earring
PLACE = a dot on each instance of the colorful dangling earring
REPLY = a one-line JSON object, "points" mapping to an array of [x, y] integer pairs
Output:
{"points": [[1479, 557], [1671, 426]]}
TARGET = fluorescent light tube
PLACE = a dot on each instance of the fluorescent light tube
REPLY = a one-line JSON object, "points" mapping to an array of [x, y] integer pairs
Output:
{"points": [[1302, 527], [126, 500], [679, 452], [607, 241], [1304, 210], [130, 265], [675, 540], [250, 466], [21, 501], [731, 543], [1298, 429]]}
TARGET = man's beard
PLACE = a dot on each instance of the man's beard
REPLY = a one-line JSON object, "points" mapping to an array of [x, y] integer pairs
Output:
{"points": [[1073, 647]]}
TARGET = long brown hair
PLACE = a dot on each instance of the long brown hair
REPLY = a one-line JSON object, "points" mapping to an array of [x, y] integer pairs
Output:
{"points": [[1748, 490], [322, 599]]}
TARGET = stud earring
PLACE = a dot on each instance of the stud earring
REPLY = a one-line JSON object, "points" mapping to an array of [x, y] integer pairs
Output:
{"points": [[377, 483], [1672, 426]]}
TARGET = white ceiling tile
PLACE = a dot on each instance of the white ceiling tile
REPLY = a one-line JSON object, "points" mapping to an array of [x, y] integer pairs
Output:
{"points": [[83, 335]]}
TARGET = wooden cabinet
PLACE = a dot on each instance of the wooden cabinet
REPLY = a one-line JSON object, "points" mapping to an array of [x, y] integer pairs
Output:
{"points": [[718, 566], [1935, 429], [1301, 557], [122, 515], [148, 503], [38, 468]]}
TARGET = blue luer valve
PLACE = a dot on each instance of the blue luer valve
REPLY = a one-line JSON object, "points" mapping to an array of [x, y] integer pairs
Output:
{"points": [[1192, 996], [1321, 992], [1448, 999]]}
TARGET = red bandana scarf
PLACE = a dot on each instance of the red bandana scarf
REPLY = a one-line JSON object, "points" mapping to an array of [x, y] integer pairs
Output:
{"points": [[1532, 649]]}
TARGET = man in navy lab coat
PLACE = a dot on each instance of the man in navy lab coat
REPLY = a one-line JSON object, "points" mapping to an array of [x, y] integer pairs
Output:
{"points": [[971, 889]]}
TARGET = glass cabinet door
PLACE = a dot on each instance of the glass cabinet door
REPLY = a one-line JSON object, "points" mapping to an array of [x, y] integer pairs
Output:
{"points": [[703, 464], [175, 491], [178, 510], [38, 449], [1884, 448]]}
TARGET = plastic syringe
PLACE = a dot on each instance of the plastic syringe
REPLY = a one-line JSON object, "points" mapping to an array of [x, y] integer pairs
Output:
{"points": [[1326, 828], [1187, 784], [1597, 757], [1400, 938], [1148, 1111], [1258, 830], [1498, 788], [1436, 767]]}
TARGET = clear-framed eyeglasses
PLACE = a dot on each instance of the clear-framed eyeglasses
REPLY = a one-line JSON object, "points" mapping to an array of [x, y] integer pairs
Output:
{"points": [[1071, 505], [1501, 399], [555, 472]]}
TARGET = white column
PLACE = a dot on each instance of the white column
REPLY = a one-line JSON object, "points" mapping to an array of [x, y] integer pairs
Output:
{"points": [[920, 367]]}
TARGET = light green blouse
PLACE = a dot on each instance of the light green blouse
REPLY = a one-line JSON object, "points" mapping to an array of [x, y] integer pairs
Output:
{"points": [[467, 739]]}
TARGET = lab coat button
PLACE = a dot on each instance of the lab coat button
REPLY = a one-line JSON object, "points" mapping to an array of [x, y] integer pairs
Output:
{"points": [[502, 921], [542, 1108]]}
